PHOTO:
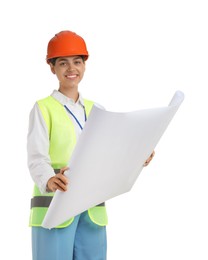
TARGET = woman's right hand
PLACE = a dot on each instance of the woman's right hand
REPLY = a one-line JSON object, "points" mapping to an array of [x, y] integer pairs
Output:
{"points": [[58, 182]]}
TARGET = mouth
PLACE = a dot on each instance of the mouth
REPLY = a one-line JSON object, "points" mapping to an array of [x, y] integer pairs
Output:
{"points": [[74, 76]]}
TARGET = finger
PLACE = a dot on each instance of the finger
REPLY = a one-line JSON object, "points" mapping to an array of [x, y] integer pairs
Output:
{"points": [[145, 164], [151, 156], [62, 170], [149, 159], [62, 178], [56, 187], [58, 184]]}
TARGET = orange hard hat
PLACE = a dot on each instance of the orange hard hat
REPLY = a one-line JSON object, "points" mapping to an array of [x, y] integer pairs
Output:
{"points": [[66, 43]]}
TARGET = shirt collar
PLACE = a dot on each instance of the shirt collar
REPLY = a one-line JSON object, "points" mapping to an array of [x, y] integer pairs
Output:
{"points": [[64, 100]]}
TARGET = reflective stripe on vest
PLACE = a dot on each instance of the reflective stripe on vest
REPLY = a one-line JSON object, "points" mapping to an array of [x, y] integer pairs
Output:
{"points": [[62, 142], [45, 201]]}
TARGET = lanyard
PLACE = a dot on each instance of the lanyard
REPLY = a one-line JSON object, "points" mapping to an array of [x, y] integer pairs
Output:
{"points": [[75, 118]]}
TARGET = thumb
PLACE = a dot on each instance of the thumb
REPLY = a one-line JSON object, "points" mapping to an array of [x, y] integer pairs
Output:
{"points": [[62, 170]]}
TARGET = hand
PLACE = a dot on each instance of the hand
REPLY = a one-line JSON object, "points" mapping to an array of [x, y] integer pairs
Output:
{"points": [[149, 159], [58, 182]]}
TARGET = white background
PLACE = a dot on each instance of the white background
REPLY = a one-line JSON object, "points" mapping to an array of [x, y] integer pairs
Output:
{"points": [[141, 52]]}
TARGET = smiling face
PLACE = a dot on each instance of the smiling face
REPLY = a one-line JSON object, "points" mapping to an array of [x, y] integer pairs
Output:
{"points": [[69, 71]]}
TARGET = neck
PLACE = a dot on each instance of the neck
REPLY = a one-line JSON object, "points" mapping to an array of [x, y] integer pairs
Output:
{"points": [[73, 94]]}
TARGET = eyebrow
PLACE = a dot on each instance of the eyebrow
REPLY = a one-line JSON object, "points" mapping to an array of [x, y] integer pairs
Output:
{"points": [[77, 58], [65, 59]]}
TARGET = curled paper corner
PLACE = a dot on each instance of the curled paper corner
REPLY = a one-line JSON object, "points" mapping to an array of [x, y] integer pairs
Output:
{"points": [[180, 94], [177, 98]]}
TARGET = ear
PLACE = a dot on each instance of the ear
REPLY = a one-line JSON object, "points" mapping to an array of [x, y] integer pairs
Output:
{"points": [[52, 68]]}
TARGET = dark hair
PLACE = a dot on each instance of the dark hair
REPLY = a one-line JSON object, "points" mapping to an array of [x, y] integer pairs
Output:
{"points": [[53, 60]]}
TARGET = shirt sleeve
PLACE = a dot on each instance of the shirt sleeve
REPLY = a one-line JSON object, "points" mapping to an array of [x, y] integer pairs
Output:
{"points": [[39, 162]]}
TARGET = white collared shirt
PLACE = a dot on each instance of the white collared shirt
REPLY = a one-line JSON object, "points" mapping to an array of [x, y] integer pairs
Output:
{"points": [[39, 162]]}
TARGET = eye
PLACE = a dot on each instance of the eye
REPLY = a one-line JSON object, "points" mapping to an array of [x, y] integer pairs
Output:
{"points": [[63, 63], [77, 62]]}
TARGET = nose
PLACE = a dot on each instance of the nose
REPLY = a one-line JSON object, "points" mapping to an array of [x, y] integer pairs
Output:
{"points": [[70, 67]]}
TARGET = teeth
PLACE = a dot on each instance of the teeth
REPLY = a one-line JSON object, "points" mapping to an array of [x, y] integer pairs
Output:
{"points": [[72, 76]]}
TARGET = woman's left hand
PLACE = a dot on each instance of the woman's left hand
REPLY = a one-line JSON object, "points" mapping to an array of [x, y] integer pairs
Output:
{"points": [[149, 159]]}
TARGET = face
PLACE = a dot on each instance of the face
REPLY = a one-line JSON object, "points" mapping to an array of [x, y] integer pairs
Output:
{"points": [[69, 71]]}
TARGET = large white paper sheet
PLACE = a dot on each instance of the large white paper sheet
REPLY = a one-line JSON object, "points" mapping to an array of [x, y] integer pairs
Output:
{"points": [[108, 157]]}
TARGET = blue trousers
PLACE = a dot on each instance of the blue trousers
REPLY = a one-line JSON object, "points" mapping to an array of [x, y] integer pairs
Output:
{"points": [[82, 240]]}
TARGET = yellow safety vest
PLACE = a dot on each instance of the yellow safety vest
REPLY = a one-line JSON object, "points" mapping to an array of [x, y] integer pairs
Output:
{"points": [[62, 142]]}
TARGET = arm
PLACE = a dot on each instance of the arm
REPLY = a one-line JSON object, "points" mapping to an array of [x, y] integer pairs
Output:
{"points": [[39, 162]]}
